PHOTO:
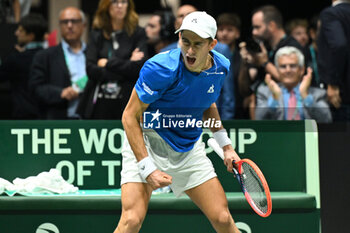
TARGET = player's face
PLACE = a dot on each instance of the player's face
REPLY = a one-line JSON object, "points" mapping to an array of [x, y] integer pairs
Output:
{"points": [[195, 50], [289, 70], [227, 34]]}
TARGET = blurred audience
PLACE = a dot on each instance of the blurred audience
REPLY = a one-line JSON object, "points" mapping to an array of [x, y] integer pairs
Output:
{"points": [[116, 51], [51, 39], [58, 74], [10, 11], [334, 57], [25, 7], [74, 81], [313, 32], [267, 30], [160, 31], [230, 101], [16, 67], [298, 29], [267, 24], [292, 98]]}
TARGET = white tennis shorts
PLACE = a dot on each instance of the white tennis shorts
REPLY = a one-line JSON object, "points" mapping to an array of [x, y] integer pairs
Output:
{"points": [[188, 169]]}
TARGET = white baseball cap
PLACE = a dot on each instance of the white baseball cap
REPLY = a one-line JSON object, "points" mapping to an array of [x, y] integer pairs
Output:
{"points": [[200, 23]]}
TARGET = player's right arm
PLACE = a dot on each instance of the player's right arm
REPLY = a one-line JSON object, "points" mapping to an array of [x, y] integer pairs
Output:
{"points": [[131, 123]]}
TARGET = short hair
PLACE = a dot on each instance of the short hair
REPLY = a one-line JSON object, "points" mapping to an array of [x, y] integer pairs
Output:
{"points": [[231, 19], [271, 13], [292, 24], [36, 24], [288, 50], [313, 23], [82, 15], [167, 28]]}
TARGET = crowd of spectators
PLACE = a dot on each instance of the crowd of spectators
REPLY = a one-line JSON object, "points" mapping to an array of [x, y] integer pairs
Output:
{"points": [[292, 70]]}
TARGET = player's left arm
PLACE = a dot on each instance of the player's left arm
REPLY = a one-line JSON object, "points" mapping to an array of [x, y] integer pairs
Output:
{"points": [[213, 113], [220, 135]]}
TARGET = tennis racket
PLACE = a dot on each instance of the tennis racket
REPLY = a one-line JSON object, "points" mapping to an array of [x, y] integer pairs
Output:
{"points": [[252, 182]]}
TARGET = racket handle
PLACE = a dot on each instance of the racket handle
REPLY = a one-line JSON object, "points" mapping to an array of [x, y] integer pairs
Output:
{"points": [[215, 146]]}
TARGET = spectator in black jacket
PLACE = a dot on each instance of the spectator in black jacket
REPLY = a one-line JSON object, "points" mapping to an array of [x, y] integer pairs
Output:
{"points": [[115, 53], [16, 67], [58, 73], [334, 57]]}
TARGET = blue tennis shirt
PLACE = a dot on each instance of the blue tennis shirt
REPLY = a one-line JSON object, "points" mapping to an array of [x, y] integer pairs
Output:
{"points": [[177, 97]]}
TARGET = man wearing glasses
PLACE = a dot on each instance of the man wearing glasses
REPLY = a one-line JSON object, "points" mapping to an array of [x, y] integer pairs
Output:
{"points": [[292, 98], [58, 74]]}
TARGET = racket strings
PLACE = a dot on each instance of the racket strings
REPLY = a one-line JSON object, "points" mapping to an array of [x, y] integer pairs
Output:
{"points": [[254, 187]]}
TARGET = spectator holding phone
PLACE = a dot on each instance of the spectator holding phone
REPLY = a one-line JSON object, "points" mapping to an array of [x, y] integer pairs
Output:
{"points": [[267, 24]]}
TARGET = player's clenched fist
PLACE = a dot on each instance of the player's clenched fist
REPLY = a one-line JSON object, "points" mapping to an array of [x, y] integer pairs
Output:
{"points": [[158, 179]]}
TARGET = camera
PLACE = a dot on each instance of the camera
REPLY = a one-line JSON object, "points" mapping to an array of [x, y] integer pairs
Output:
{"points": [[253, 46]]}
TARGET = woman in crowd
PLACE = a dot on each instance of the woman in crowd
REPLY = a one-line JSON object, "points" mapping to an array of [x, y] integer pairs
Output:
{"points": [[116, 51]]}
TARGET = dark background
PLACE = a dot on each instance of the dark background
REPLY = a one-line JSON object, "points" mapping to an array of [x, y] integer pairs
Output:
{"points": [[289, 9], [334, 155]]}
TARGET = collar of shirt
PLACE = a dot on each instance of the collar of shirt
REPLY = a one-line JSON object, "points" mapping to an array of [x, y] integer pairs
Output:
{"points": [[34, 45], [66, 47], [340, 1], [295, 89], [75, 61]]}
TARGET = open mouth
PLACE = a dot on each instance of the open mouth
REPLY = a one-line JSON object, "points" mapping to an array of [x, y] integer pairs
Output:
{"points": [[190, 60]]}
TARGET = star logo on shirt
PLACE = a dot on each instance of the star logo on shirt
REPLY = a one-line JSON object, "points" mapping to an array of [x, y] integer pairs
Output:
{"points": [[156, 115]]}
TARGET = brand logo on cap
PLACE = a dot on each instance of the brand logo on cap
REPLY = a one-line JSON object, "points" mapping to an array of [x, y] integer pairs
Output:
{"points": [[200, 23]]}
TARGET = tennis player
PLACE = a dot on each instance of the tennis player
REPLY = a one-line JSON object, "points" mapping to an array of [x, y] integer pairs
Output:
{"points": [[173, 98]]}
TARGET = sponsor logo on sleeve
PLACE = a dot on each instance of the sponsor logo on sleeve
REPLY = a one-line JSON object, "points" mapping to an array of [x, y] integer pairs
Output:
{"points": [[147, 88]]}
